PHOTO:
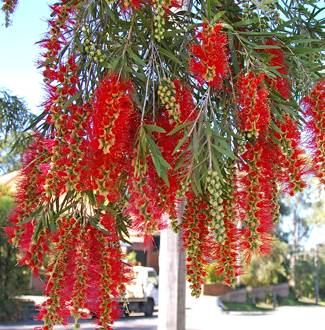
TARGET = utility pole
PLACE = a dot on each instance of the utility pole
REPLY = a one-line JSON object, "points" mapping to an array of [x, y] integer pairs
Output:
{"points": [[172, 270], [171, 314]]}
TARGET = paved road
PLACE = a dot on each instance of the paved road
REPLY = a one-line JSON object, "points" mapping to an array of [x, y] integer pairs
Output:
{"points": [[204, 315], [130, 323]]}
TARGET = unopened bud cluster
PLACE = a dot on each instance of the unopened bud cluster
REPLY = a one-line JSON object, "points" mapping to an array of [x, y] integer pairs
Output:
{"points": [[90, 47], [159, 19], [184, 187], [216, 204], [167, 96], [252, 134]]}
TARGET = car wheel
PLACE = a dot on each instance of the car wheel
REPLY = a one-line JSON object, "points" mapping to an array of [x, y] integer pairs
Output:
{"points": [[149, 307]]}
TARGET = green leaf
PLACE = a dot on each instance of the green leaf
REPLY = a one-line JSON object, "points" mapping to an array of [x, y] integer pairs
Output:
{"points": [[154, 128], [233, 53], [180, 143], [38, 228], [224, 149], [304, 51], [217, 16], [136, 58], [266, 47], [178, 128], [170, 55], [179, 163], [246, 22], [32, 216], [160, 163]]}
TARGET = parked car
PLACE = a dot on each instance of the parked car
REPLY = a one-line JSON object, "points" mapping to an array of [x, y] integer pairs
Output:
{"points": [[142, 291]]}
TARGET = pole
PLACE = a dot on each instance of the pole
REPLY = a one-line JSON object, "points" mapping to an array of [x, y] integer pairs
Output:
{"points": [[172, 290], [171, 313]]}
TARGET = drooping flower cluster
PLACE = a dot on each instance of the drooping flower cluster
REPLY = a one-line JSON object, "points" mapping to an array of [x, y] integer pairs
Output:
{"points": [[196, 238], [255, 196], [30, 197], [85, 273], [150, 197], [61, 83], [271, 160], [253, 105], [214, 188], [292, 157], [314, 111], [143, 206], [184, 113], [111, 122], [210, 58], [226, 254]]}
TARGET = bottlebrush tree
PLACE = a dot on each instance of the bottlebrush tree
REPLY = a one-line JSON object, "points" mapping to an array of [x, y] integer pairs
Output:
{"points": [[155, 106]]}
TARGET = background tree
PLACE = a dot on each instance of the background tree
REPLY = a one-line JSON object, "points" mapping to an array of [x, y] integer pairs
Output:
{"points": [[268, 270], [309, 270], [300, 214], [14, 120]]}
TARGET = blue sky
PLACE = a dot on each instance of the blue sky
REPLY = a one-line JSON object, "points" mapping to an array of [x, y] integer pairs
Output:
{"points": [[19, 53]]}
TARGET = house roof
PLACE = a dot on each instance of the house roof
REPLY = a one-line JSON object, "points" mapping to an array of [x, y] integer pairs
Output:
{"points": [[10, 180]]}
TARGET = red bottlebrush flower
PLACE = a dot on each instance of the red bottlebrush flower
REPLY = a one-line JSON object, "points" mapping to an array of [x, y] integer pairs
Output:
{"points": [[210, 59], [197, 240], [281, 83], [85, 272], [313, 107], [108, 152], [184, 101], [112, 115], [291, 156], [61, 82], [143, 207], [31, 193], [256, 193], [226, 250], [167, 144], [253, 104]]}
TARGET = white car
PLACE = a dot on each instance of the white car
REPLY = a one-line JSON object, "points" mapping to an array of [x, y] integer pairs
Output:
{"points": [[142, 291]]}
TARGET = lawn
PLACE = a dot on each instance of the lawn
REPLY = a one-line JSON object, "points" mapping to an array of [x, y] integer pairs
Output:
{"points": [[267, 306]]}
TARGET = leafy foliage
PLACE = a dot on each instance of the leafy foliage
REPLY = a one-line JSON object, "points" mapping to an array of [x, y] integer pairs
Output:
{"points": [[267, 270], [14, 120], [305, 275], [13, 280]]}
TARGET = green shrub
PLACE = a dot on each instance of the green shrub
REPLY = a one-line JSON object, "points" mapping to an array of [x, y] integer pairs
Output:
{"points": [[13, 279]]}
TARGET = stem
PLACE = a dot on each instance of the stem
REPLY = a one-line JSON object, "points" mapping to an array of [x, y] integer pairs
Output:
{"points": [[126, 45], [203, 107]]}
